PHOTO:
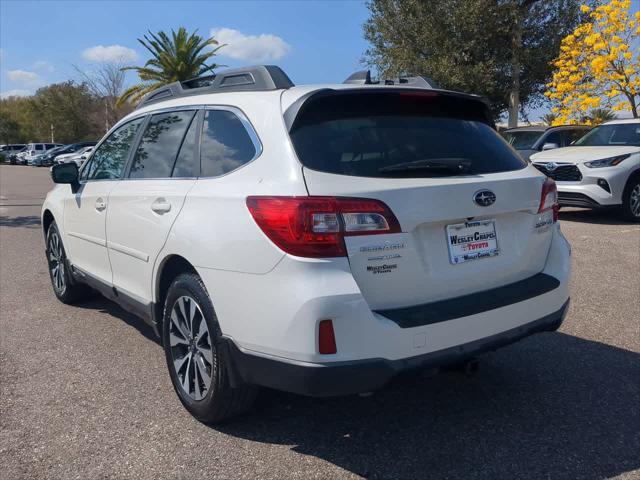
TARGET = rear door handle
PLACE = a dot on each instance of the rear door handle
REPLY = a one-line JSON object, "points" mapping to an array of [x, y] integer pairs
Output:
{"points": [[100, 204], [161, 206]]}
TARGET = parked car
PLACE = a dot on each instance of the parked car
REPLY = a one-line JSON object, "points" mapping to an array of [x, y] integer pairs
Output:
{"points": [[70, 149], [78, 157], [35, 149], [8, 152], [373, 229], [602, 169], [530, 140], [42, 160]]}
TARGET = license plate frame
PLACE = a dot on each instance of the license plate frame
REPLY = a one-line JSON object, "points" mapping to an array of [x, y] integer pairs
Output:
{"points": [[472, 246]]}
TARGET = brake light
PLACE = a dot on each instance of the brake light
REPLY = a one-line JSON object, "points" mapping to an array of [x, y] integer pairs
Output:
{"points": [[316, 226], [549, 198]]}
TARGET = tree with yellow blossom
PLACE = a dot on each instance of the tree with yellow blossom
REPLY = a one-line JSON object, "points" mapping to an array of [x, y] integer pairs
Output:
{"points": [[598, 65]]}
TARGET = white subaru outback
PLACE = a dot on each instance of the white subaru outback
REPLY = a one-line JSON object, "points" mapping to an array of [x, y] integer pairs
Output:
{"points": [[315, 239], [601, 169]]}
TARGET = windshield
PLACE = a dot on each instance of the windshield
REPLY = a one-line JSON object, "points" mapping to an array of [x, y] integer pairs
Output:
{"points": [[399, 135], [620, 135], [522, 139]]}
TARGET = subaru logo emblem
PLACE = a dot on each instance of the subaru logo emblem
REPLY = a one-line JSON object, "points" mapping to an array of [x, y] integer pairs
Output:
{"points": [[551, 166], [484, 198]]}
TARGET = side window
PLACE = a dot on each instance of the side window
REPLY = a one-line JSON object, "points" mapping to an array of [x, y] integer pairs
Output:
{"points": [[553, 137], [158, 149], [39, 146], [108, 161], [226, 144], [187, 164], [574, 135]]}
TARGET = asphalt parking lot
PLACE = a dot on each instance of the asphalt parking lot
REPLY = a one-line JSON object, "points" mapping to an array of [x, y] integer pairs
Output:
{"points": [[85, 393]]}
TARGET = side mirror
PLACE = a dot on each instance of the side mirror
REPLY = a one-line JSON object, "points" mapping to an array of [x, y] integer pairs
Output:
{"points": [[549, 146], [83, 157], [66, 173]]}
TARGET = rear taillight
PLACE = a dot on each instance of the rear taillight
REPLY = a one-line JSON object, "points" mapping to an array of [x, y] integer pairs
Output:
{"points": [[316, 226], [549, 198]]}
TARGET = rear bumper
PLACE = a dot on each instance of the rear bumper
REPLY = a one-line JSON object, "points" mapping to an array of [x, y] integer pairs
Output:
{"points": [[344, 378]]}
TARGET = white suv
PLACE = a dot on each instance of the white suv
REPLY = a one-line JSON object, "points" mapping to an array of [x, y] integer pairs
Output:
{"points": [[601, 169], [315, 239]]}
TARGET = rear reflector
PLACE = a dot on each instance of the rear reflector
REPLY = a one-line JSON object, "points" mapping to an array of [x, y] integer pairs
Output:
{"points": [[316, 226], [549, 198], [326, 338]]}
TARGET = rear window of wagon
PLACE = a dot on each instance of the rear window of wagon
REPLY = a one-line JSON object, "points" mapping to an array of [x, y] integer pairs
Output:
{"points": [[403, 133]]}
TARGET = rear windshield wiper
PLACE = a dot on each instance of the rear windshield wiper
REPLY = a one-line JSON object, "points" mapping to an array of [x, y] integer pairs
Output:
{"points": [[438, 166]]}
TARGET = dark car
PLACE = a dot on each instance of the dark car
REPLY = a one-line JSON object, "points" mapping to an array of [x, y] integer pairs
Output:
{"points": [[49, 157], [8, 152], [530, 140]]}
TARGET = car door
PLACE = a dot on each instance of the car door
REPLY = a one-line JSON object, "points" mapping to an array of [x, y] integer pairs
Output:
{"points": [[143, 207], [85, 211]]}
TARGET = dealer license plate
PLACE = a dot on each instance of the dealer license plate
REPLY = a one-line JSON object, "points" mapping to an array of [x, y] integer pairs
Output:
{"points": [[472, 240]]}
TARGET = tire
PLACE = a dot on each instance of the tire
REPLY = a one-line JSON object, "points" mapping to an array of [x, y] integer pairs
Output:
{"points": [[193, 354], [631, 200], [64, 287]]}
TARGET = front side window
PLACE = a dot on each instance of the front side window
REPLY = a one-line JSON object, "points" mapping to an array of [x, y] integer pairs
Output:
{"points": [[160, 143], [522, 139], [226, 144], [574, 135], [108, 160]]}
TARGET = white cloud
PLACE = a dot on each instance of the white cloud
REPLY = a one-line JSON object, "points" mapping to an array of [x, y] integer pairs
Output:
{"points": [[111, 53], [254, 48], [23, 77], [18, 92], [43, 66]]}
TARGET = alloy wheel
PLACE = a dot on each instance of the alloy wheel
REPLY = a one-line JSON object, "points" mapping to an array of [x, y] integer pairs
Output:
{"points": [[56, 262], [191, 348], [634, 201]]}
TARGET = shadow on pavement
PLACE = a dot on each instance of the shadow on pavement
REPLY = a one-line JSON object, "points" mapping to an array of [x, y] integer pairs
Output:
{"points": [[607, 216], [551, 406], [103, 305], [30, 221]]}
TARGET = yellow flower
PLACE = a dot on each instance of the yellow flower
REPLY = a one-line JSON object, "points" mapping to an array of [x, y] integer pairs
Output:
{"points": [[585, 8]]}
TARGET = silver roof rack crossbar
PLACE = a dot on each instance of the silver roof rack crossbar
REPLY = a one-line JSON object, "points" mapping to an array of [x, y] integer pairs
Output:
{"points": [[363, 77], [259, 78]]}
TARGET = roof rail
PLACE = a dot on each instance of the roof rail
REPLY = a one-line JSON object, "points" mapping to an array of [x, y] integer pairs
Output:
{"points": [[246, 79], [363, 77]]}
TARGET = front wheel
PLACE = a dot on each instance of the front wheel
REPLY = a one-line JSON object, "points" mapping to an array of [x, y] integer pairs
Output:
{"points": [[631, 200], [191, 338], [65, 289]]}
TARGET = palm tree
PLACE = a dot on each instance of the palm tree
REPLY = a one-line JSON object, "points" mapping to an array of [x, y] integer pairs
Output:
{"points": [[598, 116], [549, 118], [177, 58]]}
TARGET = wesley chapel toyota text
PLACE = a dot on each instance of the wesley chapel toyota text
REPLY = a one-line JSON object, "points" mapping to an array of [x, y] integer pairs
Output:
{"points": [[316, 239]]}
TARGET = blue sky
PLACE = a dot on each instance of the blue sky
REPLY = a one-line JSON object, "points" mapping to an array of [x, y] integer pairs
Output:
{"points": [[313, 41]]}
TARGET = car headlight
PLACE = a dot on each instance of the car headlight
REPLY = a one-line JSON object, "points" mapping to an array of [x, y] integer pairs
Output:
{"points": [[607, 162]]}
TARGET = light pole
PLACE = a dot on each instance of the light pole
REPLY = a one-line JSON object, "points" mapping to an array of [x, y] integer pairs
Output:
{"points": [[51, 129]]}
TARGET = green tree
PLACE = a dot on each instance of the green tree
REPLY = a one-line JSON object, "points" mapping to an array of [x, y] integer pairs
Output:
{"points": [[67, 109], [178, 57], [9, 129], [498, 48]]}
